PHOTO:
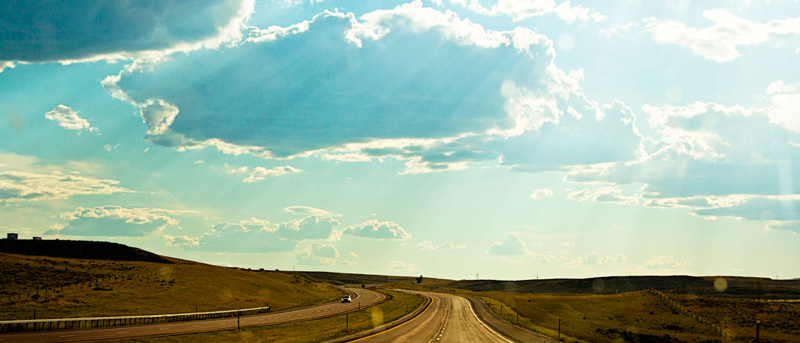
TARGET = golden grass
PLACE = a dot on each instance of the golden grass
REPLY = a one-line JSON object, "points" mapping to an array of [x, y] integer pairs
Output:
{"points": [[308, 331], [602, 318], [147, 288], [780, 321], [593, 318]]}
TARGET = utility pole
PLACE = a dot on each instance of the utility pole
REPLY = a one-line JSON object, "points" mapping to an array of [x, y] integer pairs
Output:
{"points": [[238, 314], [347, 322]]}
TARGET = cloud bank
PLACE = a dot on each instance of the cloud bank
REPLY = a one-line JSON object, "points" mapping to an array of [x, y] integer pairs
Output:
{"points": [[113, 221], [376, 229], [41, 31]]}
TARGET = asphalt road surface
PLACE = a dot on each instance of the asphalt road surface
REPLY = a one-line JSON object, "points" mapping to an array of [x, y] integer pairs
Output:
{"points": [[362, 298], [449, 318]]}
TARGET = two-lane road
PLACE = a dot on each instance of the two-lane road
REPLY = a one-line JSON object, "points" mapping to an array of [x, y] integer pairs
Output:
{"points": [[362, 298], [449, 318]]}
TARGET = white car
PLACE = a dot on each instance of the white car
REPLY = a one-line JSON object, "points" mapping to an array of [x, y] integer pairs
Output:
{"points": [[346, 299]]}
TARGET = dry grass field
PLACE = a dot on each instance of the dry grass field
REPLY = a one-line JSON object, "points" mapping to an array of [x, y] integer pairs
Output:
{"points": [[642, 317], [308, 331], [645, 317], [627, 317], [780, 320], [60, 287]]}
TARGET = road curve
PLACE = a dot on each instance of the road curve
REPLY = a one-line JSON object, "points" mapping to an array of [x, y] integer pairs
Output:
{"points": [[362, 298], [513, 332], [449, 318]]}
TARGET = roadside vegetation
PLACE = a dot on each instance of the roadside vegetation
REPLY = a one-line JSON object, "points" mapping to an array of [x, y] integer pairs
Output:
{"points": [[308, 331], [62, 287], [780, 320], [641, 316]]}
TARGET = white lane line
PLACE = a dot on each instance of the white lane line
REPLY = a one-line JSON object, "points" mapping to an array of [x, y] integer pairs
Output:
{"points": [[484, 324], [444, 323], [65, 336]]}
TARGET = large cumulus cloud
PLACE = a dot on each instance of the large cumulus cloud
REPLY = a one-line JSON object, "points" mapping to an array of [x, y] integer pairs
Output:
{"points": [[424, 86], [39, 30], [407, 73]]}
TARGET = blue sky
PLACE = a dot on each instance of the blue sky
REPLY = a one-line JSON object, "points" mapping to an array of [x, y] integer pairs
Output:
{"points": [[449, 138]]}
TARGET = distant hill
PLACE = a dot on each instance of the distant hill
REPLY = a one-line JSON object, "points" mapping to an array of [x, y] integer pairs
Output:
{"points": [[367, 279], [731, 286], [78, 249]]}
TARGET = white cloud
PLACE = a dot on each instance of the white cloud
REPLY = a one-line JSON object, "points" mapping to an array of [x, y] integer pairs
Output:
{"points": [[509, 245], [316, 253], [16, 186], [114, 221], [716, 160], [347, 157], [311, 227], [6, 64], [181, 241], [353, 254], [260, 173], [720, 41], [69, 119], [402, 267], [662, 262], [256, 235], [792, 226], [595, 259], [450, 141], [118, 30], [542, 193], [309, 211], [110, 147], [523, 9], [609, 194], [618, 29], [379, 230], [568, 244], [428, 245], [247, 236]]}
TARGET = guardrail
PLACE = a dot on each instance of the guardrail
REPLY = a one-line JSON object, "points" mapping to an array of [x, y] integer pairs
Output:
{"points": [[9, 326]]}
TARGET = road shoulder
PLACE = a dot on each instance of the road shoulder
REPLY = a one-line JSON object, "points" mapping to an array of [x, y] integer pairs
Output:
{"points": [[384, 327], [505, 328]]}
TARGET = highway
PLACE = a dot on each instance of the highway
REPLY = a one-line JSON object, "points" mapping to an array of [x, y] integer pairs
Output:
{"points": [[449, 318], [362, 298]]}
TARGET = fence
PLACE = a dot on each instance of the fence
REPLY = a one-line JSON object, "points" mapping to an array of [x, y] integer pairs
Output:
{"points": [[724, 333], [97, 322]]}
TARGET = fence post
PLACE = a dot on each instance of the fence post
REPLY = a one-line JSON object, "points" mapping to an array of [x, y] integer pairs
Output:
{"points": [[559, 328]]}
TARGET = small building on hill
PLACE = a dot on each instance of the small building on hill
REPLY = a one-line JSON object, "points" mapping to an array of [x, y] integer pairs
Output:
{"points": [[36, 238], [12, 236]]}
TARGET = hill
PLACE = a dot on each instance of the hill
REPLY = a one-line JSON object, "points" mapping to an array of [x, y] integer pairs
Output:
{"points": [[54, 287], [366, 279], [732, 286], [78, 249]]}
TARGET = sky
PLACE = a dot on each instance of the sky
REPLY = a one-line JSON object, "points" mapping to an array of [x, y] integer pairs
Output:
{"points": [[457, 139]]}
